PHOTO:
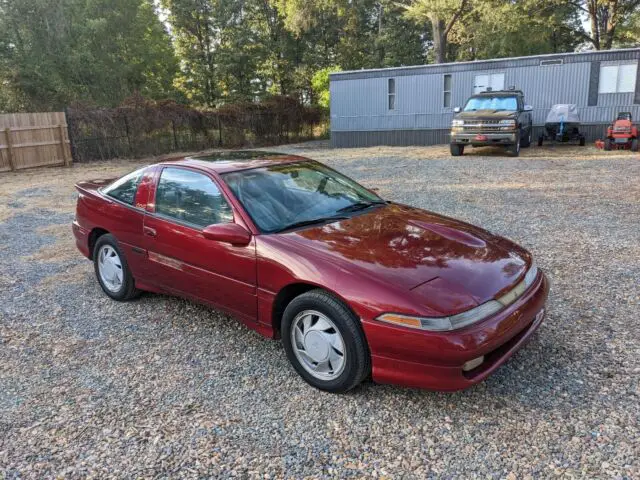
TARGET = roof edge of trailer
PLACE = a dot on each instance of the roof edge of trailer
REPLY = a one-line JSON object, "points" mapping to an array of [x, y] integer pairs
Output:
{"points": [[381, 72]]}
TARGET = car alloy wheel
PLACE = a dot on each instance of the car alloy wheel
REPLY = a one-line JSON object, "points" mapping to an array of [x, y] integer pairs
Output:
{"points": [[318, 345], [110, 268]]}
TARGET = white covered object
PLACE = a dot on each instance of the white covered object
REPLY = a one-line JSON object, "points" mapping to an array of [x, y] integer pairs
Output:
{"points": [[563, 112]]}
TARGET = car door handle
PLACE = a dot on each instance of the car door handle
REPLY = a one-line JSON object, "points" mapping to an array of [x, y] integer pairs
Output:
{"points": [[149, 232]]}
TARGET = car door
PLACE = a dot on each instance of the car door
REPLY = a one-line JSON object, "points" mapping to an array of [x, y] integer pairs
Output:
{"points": [[181, 259]]}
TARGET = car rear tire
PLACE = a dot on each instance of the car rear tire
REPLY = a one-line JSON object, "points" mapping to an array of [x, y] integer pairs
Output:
{"points": [[540, 140], [324, 342], [582, 141], [526, 140], [112, 270], [634, 145], [514, 150], [456, 150]]}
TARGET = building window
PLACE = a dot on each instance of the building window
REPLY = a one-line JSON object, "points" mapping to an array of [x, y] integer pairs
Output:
{"points": [[447, 91], [392, 93], [618, 78], [494, 81]]}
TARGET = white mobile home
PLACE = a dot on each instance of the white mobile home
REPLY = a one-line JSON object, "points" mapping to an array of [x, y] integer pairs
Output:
{"points": [[414, 105]]}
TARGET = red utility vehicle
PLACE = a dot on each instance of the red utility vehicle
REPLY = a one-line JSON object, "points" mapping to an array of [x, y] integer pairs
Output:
{"points": [[353, 285], [623, 134]]}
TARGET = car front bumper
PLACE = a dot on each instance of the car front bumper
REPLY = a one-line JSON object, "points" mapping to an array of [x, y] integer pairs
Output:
{"points": [[434, 360], [479, 138]]}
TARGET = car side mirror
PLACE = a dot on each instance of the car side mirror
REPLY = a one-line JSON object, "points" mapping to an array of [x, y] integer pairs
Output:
{"points": [[227, 233], [528, 108], [456, 110]]}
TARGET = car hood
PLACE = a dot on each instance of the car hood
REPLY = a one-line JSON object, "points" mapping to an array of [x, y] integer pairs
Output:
{"points": [[486, 115], [452, 266]]}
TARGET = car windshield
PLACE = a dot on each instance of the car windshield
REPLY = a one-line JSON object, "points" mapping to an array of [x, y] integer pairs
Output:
{"points": [[491, 103], [285, 196]]}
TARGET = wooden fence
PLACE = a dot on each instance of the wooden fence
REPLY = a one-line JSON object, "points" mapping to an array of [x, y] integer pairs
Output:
{"points": [[33, 140]]}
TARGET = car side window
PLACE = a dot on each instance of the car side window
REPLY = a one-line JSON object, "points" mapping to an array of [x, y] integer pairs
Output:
{"points": [[125, 188], [192, 198]]}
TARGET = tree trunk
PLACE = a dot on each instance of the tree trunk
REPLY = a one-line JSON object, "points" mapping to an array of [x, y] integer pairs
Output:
{"points": [[609, 25], [593, 20], [379, 44], [439, 40]]}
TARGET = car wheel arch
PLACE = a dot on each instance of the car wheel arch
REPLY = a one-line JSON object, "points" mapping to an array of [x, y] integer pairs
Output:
{"points": [[94, 235], [293, 290]]}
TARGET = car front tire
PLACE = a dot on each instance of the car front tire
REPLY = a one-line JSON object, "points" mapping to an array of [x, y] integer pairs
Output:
{"points": [[526, 141], [324, 342], [112, 271]]}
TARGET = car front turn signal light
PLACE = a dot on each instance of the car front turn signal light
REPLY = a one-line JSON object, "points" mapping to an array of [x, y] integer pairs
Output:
{"points": [[444, 324]]}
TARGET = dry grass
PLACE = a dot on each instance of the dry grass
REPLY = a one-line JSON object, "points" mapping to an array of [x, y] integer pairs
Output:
{"points": [[406, 155]]}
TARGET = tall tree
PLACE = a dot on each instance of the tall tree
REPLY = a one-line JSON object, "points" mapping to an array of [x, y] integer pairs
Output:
{"points": [[195, 36], [606, 18], [442, 15], [497, 29], [55, 52]]}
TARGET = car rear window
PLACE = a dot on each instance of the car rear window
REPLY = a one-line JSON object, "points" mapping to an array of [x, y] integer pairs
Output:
{"points": [[125, 188]]}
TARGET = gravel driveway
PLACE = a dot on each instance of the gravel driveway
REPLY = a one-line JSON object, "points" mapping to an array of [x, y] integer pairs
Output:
{"points": [[160, 387]]}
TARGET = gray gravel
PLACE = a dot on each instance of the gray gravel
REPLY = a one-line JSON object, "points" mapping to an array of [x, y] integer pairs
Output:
{"points": [[160, 387]]}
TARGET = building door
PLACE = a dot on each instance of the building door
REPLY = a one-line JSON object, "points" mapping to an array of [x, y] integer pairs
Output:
{"points": [[495, 81]]}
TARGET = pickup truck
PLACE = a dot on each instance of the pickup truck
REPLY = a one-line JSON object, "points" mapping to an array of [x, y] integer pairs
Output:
{"points": [[492, 118]]}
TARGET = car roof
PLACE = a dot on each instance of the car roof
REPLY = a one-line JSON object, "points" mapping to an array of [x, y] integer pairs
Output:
{"points": [[233, 161]]}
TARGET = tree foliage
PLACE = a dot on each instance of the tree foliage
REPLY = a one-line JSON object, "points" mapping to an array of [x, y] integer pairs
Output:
{"points": [[57, 52], [208, 53]]}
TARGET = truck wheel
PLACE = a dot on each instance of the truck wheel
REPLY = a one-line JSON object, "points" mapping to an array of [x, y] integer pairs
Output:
{"points": [[634, 145], [456, 150], [540, 140], [582, 140], [526, 139], [608, 144], [514, 150]]}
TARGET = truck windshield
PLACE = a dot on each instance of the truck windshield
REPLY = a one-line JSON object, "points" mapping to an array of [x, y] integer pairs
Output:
{"points": [[499, 103]]}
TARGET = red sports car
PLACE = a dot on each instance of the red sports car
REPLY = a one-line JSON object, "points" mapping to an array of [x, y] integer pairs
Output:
{"points": [[353, 285]]}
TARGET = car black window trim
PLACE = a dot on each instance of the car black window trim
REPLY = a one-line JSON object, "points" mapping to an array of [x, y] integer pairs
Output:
{"points": [[224, 200]]}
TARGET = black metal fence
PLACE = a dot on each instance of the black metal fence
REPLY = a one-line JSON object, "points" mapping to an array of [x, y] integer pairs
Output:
{"points": [[141, 128]]}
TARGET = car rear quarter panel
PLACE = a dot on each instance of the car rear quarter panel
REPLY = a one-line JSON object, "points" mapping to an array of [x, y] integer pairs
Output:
{"points": [[96, 211]]}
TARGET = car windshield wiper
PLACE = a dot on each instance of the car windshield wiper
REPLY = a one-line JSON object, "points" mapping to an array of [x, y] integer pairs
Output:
{"points": [[313, 221], [354, 207]]}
